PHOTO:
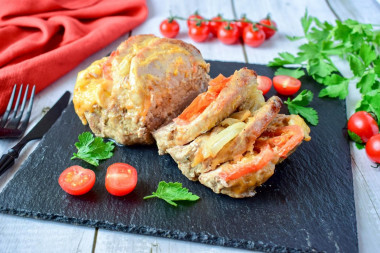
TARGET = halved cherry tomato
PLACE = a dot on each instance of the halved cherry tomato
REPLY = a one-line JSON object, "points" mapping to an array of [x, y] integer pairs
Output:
{"points": [[76, 180], [228, 33], [203, 100], [253, 36], [192, 19], [121, 179], [264, 84], [268, 32], [363, 124], [199, 33], [286, 85], [242, 24], [169, 28], [372, 148], [214, 24]]}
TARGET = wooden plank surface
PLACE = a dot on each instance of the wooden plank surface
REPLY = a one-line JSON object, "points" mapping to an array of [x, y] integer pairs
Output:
{"points": [[27, 235]]}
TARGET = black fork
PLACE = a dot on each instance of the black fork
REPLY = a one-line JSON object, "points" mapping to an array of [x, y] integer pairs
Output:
{"points": [[12, 126]]}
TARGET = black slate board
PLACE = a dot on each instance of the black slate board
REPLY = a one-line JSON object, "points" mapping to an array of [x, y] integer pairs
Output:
{"points": [[308, 205]]}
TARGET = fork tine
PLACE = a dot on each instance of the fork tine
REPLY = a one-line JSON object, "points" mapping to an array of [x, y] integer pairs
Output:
{"points": [[9, 106], [15, 109], [18, 118], [25, 121]]}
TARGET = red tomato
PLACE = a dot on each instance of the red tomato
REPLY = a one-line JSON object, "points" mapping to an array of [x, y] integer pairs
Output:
{"points": [[362, 124], [228, 33], [268, 32], [252, 36], [169, 28], [286, 85], [372, 148], [242, 24], [192, 19], [199, 33], [76, 180], [121, 179], [215, 24], [264, 84]]}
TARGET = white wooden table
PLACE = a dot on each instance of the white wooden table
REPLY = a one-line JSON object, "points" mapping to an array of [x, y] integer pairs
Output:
{"points": [[28, 235]]}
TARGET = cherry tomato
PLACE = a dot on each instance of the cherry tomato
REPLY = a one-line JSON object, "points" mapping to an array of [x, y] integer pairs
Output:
{"points": [[268, 32], [264, 84], [169, 28], [228, 33], [253, 36], [372, 148], [192, 19], [242, 24], [76, 180], [199, 33], [286, 85], [363, 124], [215, 24], [121, 179]]}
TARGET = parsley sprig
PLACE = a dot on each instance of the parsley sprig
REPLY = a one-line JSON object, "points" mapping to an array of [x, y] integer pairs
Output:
{"points": [[171, 192], [92, 149], [298, 106], [356, 43]]}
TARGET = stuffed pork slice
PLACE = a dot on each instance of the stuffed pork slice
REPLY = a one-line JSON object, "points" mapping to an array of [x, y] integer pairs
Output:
{"points": [[144, 84], [223, 97], [239, 179]]}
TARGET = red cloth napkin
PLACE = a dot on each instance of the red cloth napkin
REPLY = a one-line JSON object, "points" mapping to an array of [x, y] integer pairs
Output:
{"points": [[42, 40]]}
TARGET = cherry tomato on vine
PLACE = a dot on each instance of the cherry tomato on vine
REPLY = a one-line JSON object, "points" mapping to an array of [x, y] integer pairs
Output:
{"points": [[268, 31], [214, 24], [199, 33], [228, 33], [264, 84], [76, 180], [121, 179], [192, 19], [372, 148], [169, 28], [286, 85], [253, 36], [363, 124], [242, 24]]}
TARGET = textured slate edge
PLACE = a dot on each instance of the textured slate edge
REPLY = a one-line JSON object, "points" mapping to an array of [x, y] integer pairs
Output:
{"points": [[144, 230]]}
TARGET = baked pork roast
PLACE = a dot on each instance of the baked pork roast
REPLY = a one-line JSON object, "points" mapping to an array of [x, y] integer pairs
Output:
{"points": [[232, 142], [142, 85]]}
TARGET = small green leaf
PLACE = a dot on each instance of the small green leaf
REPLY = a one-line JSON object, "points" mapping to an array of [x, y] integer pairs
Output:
{"points": [[297, 106], [296, 73], [306, 21], [304, 98], [366, 82], [367, 54], [356, 138], [320, 67], [360, 145], [370, 103], [356, 65], [294, 38], [333, 91]]}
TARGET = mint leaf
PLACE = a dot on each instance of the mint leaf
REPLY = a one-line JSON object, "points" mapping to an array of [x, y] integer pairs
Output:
{"points": [[296, 73], [356, 138], [297, 106], [171, 192], [92, 149]]}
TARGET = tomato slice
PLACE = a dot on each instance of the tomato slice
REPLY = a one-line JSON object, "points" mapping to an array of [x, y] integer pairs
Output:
{"points": [[202, 101], [264, 84], [263, 158], [286, 85], [121, 179], [77, 180]]}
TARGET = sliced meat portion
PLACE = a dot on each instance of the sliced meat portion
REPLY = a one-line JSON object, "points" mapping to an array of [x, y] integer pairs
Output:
{"points": [[144, 84], [224, 96]]}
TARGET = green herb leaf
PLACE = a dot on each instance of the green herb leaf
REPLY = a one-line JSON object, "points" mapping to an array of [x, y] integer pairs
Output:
{"points": [[171, 192], [286, 58], [92, 149], [367, 54], [366, 82], [297, 106], [337, 90], [370, 103], [294, 38], [356, 138], [356, 65], [296, 73], [360, 145], [306, 21]]}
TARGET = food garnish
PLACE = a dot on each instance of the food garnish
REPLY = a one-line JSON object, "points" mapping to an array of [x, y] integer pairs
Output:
{"points": [[77, 180], [171, 192], [121, 179], [298, 106], [92, 149]]}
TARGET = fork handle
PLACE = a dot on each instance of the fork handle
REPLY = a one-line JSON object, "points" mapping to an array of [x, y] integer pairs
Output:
{"points": [[7, 160]]}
